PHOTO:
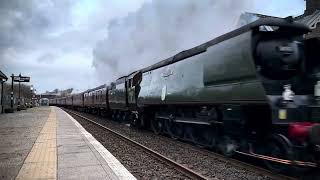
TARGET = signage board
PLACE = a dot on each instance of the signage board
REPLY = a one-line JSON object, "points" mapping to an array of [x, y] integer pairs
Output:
{"points": [[21, 79], [24, 79], [16, 78]]}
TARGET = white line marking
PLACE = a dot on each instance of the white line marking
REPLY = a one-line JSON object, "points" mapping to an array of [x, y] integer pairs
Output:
{"points": [[120, 171]]}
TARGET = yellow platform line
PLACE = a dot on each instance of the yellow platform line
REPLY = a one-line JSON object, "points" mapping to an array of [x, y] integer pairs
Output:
{"points": [[41, 162]]}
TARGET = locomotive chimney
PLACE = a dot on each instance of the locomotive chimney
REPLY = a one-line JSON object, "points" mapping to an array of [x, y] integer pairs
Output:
{"points": [[311, 6]]}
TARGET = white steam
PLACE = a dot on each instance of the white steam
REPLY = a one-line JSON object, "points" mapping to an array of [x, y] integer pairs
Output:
{"points": [[160, 29]]}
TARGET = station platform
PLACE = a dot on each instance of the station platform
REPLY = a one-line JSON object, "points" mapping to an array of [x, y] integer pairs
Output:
{"points": [[47, 143]]}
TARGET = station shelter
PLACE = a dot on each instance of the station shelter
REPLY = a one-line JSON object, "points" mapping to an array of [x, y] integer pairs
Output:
{"points": [[3, 78]]}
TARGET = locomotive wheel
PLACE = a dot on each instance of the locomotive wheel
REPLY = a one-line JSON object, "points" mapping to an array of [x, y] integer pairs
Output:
{"points": [[175, 130], [157, 125], [113, 116], [200, 135], [118, 117], [277, 148], [124, 117]]}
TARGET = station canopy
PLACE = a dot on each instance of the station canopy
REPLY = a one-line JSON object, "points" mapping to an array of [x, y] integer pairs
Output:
{"points": [[3, 77]]}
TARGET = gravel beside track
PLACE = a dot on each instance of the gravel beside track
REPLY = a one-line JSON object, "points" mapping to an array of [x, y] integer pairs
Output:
{"points": [[141, 164], [200, 161]]}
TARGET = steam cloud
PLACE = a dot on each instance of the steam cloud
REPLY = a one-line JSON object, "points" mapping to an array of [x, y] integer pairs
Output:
{"points": [[160, 29]]}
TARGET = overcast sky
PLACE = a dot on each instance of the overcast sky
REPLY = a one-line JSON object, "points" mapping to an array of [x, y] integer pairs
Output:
{"points": [[85, 43]]}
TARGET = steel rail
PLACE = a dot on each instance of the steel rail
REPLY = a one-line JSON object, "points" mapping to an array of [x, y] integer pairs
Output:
{"points": [[232, 161], [188, 172], [242, 164], [237, 162]]}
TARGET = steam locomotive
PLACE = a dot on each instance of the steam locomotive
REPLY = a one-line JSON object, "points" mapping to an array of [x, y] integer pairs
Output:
{"points": [[253, 91]]}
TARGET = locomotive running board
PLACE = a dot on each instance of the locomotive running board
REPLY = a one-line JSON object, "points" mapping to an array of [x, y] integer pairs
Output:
{"points": [[278, 160]]}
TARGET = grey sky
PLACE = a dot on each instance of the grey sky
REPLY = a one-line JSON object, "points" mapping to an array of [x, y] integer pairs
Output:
{"points": [[84, 43]]}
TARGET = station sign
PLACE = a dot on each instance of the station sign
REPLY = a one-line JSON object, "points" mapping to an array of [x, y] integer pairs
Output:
{"points": [[21, 79], [24, 79]]}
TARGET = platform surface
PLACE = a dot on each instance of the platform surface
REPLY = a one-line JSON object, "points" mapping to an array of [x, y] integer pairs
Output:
{"points": [[47, 143]]}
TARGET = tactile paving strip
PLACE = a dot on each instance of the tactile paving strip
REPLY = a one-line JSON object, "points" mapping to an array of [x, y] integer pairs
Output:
{"points": [[41, 162]]}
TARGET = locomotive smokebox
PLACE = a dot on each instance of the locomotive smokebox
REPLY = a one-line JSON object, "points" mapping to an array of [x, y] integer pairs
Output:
{"points": [[279, 59]]}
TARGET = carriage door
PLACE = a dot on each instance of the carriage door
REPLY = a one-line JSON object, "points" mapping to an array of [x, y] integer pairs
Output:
{"points": [[133, 87]]}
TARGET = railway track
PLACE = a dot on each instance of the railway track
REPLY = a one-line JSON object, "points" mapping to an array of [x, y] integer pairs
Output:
{"points": [[183, 169], [188, 172], [241, 164]]}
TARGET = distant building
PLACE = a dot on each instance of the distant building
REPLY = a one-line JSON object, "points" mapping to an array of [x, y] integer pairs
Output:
{"points": [[44, 102], [46, 95], [311, 18], [311, 7], [55, 93]]}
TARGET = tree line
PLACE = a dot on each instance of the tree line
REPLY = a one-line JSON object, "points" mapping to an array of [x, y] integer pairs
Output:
{"points": [[25, 90]]}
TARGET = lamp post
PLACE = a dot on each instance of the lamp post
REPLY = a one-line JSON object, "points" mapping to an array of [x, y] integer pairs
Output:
{"points": [[11, 98], [31, 96], [19, 99], [35, 95]]}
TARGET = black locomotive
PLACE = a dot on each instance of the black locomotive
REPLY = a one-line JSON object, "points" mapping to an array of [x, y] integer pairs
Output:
{"points": [[252, 91]]}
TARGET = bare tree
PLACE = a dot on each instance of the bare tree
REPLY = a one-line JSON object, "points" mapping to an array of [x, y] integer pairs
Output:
{"points": [[25, 91]]}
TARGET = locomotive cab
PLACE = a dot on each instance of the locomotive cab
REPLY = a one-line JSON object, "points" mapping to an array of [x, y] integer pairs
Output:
{"points": [[133, 88]]}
